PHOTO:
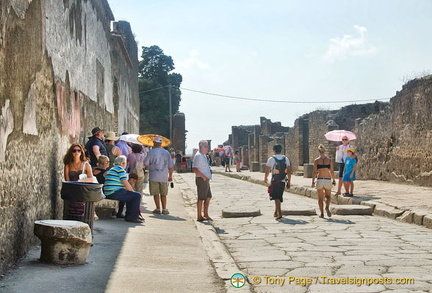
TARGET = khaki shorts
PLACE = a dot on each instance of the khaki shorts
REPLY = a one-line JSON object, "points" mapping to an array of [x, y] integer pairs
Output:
{"points": [[158, 188], [324, 183], [203, 188]]}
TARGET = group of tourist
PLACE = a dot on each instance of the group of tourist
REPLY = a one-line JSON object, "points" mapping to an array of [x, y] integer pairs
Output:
{"points": [[120, 166], [323, 177], [109, 161]]}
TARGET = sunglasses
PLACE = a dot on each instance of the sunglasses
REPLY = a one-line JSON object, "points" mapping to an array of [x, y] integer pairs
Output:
{"points": [[344, 139], [76, 150]]}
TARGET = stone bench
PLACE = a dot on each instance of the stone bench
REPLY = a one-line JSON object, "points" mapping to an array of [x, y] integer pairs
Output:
{"points": [[63, 242], [351, 210], [232, 213], [106, 208]]}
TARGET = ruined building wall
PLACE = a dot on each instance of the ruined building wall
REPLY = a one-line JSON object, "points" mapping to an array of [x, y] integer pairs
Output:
{"points": [[395, 144], [56, 84], [179, 131]]}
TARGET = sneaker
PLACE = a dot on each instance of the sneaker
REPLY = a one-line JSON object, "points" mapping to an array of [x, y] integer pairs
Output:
{"points": [[346, 194], [165, 212], [157, 211], [329, 214]]}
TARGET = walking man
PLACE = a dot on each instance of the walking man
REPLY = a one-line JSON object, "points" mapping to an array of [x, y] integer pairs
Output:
{"points": [[160, 165], [280, 168], [202, 171]]}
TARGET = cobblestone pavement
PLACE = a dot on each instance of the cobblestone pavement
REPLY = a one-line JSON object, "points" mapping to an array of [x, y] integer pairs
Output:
{"points": [[309, 254]]}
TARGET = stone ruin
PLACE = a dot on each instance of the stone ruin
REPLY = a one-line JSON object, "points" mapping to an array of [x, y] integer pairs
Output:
{"points": [[393, 139]]}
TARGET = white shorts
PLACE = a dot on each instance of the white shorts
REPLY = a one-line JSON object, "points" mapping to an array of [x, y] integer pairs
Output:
{"points": [[324, 183]]}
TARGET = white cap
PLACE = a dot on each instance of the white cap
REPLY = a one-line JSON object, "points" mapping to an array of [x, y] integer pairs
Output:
{"points": [[157, 140]]}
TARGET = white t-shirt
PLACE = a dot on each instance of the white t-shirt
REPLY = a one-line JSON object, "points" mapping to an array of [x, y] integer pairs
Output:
{"points": [[200, 162], [271, 162], [341, 154]]}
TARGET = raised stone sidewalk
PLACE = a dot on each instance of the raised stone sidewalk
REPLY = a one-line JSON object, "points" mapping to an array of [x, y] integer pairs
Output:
{"points": [[405, 203]]}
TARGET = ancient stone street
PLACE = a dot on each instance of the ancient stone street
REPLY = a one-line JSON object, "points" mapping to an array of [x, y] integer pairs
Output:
{"points": [[308, 254]]}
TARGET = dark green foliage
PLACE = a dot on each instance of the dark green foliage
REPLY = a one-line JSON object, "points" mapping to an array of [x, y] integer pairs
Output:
{"points": [[154, 82]]}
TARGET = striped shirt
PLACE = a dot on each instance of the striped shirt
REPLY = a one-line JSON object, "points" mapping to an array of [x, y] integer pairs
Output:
{"points": [[113, 179]]}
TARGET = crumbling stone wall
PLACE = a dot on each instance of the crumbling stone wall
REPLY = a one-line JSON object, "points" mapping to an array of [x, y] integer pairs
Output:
{"points": [[56, 84], [395, 144]]}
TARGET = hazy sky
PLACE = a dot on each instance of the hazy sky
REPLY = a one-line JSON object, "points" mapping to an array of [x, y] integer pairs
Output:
{"points": [[319, 54]]}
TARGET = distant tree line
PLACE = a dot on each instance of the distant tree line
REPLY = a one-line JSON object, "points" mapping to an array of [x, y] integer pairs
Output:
{"points": [[155, 78]]}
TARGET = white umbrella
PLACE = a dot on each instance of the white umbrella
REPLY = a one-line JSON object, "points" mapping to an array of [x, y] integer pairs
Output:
{"points": [[132, 138]]}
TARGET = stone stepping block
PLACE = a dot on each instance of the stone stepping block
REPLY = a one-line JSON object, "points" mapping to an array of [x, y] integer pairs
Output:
{"points": [[299, 212], [105, 213], [64, 242], [352, 210], [236, 213]]}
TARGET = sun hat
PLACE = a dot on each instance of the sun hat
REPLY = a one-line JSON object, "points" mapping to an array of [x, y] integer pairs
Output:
{"points": [[96, 130], [111, 136], [352, 150]]}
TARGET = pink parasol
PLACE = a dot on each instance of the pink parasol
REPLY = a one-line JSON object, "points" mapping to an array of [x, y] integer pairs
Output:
{"points": [[336, 135]]}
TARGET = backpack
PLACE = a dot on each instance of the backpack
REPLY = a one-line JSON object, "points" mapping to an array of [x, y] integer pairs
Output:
{"points": [[139, 167], [280, 169]]}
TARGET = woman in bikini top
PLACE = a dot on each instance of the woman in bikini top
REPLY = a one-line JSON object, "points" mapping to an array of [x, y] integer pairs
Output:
{"points": [[323, 172]]}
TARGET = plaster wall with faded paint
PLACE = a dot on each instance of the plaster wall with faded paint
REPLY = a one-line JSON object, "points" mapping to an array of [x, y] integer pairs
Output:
{"points": [[62, 72]]}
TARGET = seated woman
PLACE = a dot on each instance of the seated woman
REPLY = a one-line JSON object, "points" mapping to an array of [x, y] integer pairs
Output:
{"points": [[118, 188], [76, 163], [101, 168]]}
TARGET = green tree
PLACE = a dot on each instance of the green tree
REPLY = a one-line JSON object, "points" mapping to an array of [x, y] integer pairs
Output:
{"points": [[155, 81]]}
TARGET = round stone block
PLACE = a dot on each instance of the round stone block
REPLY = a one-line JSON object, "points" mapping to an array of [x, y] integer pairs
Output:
{"points": [[104, 213], [63, 241], [232, 213]]}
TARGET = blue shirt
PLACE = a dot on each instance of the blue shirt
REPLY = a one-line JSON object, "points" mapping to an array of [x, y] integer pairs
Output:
{"points": [[113, 179], [158, 161]]}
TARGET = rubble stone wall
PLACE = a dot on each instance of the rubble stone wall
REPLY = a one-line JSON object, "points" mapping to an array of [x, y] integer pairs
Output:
{"points": [[57, 74], [395, 144]]}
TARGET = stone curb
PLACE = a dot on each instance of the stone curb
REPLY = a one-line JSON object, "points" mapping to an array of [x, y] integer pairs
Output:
{"points": [[378, 209], [218, 254]]}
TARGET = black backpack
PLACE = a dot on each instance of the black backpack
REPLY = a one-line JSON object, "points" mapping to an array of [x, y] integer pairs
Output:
{"points": [[279, 171]]}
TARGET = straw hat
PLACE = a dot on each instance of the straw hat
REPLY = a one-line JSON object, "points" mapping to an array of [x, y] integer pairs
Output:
{"points": [[111, 136]]}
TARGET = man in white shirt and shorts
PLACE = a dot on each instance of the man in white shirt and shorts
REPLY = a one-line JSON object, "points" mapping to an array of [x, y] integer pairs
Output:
{"points": [[203, 174]]}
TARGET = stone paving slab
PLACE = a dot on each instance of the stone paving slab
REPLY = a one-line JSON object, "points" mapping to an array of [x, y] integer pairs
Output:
{"points": [[387, 199], [342, 246]]}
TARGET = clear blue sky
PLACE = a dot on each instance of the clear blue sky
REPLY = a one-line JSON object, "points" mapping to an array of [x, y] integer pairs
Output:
{"points": [[302, 51]]}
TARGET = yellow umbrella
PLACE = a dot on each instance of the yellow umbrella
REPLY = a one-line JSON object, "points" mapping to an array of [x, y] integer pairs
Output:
{"points": [[147, 139]]}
